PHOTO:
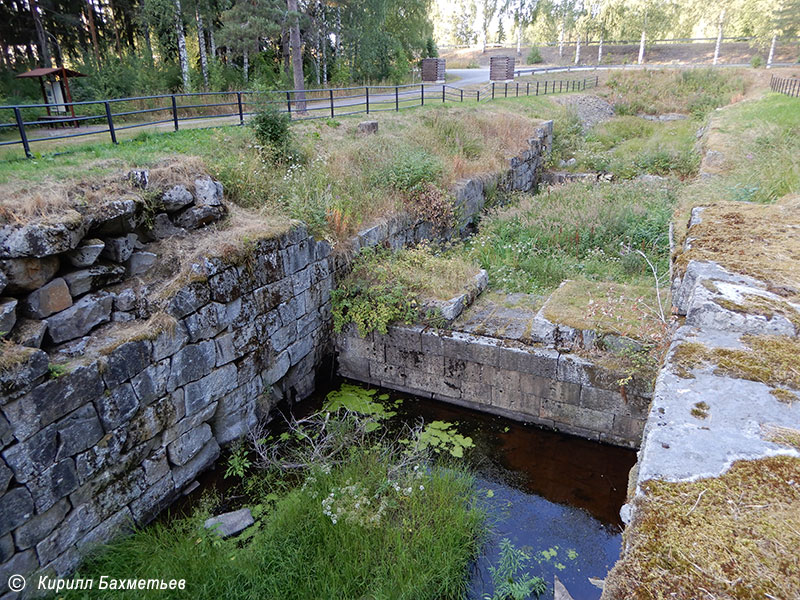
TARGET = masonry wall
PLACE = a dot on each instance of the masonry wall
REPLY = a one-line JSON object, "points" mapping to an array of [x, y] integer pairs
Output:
{"points": [[116, 438], [534, 384]]}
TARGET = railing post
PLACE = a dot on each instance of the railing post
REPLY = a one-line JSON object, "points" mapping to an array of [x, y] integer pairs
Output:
{"points": [[443, 94], [506, 92], [366, 94], [396, 99], [289, 103], [596, 80], [174, 112], [22, 136], [422, 94], [110, 123], [241, 111], [493, 90], [528, 88], [537, 88], [330, 94], [518, 89], [462, 94], [479, 96]]}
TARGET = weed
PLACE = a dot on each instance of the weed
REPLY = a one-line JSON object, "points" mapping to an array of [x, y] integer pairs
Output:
{"points": [[534, 56], [238, 462], [410, 168], [510, 580], [271, 127], [54, 371]]}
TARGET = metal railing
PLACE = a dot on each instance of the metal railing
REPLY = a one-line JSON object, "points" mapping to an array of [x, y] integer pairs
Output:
{"points": [[170, 110], [785, 85]]}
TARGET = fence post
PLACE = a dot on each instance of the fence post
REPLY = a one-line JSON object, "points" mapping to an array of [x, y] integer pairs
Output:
{"points": [[443, 96], [422, 94], [22, 136], [396, 98], [366, 93], [596, 80], [479, 96], [493, 90], [110, 123], [241, 111], [537, 88], [506, 91], [174, 112], [289, 103], [462, 94], [528, 88]]}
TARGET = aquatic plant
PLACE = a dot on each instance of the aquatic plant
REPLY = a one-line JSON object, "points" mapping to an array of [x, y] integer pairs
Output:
{"points": [[510, 582]]}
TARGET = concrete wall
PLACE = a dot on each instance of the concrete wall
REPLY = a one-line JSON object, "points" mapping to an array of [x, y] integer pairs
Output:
{"points": [[533, 384], [112, 441]]}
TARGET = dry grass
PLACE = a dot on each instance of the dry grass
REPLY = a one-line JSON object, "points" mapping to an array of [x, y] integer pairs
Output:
{"points": [[12, 355], [604, 307], [785, 436], [758, 240], [730, 537]]}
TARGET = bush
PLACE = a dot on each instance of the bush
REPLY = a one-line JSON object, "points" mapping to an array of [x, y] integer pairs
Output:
{"points": [[757, 62], [534, 56], [271, 127], [410, 168]]}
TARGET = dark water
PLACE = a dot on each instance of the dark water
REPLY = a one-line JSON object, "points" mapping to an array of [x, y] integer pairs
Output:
{"points": [[555, 496]]}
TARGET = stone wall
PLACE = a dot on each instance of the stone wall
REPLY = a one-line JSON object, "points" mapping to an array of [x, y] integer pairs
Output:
{"points": [[103, 439], [530, 383]]}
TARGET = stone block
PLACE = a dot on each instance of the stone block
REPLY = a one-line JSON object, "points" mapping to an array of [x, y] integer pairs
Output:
{"points": [[16, 507], [189, 298], [119, 249], [40, 526], [110, 491], [140, 263], [163, 228], [535, 385], [368, 127], [188, 445], [86, 254], [93, 278], [283, 337], [48, 299], [8, 315], [156, 498], [277, 368], [34, 455], [126, 361], [7, 548], [207, 322], [39, 239], [156, 466], [568, 414], [151, 384], [81, 520], [117, 407], [6, 475], [53, 484], [230, 426], [79, 319], [27, 274], [78, 431], [22, 563], [300, 349], [169, 341], [230, 524], [27, 332], [176, 198], [30, 365], [191, 363], [115, 217], [201, 461], [198, 216], [226, 285], [563, 391], [199, 394], [117, 524]]}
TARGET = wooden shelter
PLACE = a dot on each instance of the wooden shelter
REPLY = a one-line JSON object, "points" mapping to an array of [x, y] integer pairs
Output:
{"points": [[55, 90], [501, 68], [433, 70]]}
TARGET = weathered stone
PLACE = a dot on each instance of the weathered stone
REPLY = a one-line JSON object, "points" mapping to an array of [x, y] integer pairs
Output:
{"points": [[51, 298], [117, 524], [199, 394], [42, 239], [560, 592], [139, 178], [151, 383], [117, 407], [125, 300], [195, 217], [368, 127], [156, 466], [119, 249], [8, 315], [115, 217], [226, 285], [163, 228], [229, 524], [53, 484], [87, 253], [189, 298], [80, 318], [16, 507], [6, 475], [23, 563], [155, 499], [188, 445], [93, 278], [28, 332], [125, 361], [192, 363], [52, 400], [208, 191], [201, 461], [168, 342], [28, 365], [176, 198], [7, 548], [3, 281], [110, 490], [34, 455], [207, 322], [78, 431], [28, 274], [140, 263], [40, 526], [82, 519]]}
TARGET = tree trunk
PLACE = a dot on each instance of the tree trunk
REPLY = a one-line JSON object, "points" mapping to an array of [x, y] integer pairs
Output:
{"points": [[245, 65], [578, 50], [519, 36], [93, 31], [600, 50], [41, 36], [561, 41], [148, 46], [115, 28], [325, 39], [641, 48], [297, 56], [772, 50], [201, 43], [211, 41], [285, 50], [182, 56], [719, 36]]}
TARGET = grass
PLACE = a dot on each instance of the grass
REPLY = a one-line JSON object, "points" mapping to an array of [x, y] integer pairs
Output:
{"points": [[366, 525], [576, 231], [745, 528]]}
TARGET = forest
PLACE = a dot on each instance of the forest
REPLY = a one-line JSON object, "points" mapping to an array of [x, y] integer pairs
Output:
{"points": [[141, 47]]}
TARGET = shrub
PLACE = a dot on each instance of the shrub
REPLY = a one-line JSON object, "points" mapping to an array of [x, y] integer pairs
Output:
{"points": [[534, 56], [428, 202], [410, 168], [271, 127], [756, 62]]}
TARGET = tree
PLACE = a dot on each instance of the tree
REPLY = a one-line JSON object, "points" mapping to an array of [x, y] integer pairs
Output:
{"points": [[297, 55], [462, 23]]}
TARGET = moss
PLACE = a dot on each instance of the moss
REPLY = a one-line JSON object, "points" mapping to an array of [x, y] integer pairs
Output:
{"points": [[782, 435], [700, 410], [783, 395], [732, 536], [754, 304], [769, 359]]}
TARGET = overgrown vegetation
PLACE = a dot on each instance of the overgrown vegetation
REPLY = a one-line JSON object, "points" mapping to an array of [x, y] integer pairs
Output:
{"points": [[369, 518], [744, 526], [576, 230], [385, 287]]}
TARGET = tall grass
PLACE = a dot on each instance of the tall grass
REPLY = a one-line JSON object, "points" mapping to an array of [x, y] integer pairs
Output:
{"points": [[320, 540], [577, 230]]}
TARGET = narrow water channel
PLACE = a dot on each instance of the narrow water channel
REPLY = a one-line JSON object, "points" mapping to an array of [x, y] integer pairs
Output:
{"points": [[555, 496]]}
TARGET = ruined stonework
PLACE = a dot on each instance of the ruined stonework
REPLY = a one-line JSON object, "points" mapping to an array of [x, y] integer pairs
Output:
{"points": [[108, 442]]}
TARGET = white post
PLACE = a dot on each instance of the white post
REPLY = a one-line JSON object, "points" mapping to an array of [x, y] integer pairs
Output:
{"points": [[600, 51], [719, 36], [578, 50], [772, 50], [561, 41], [641, 49]]}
